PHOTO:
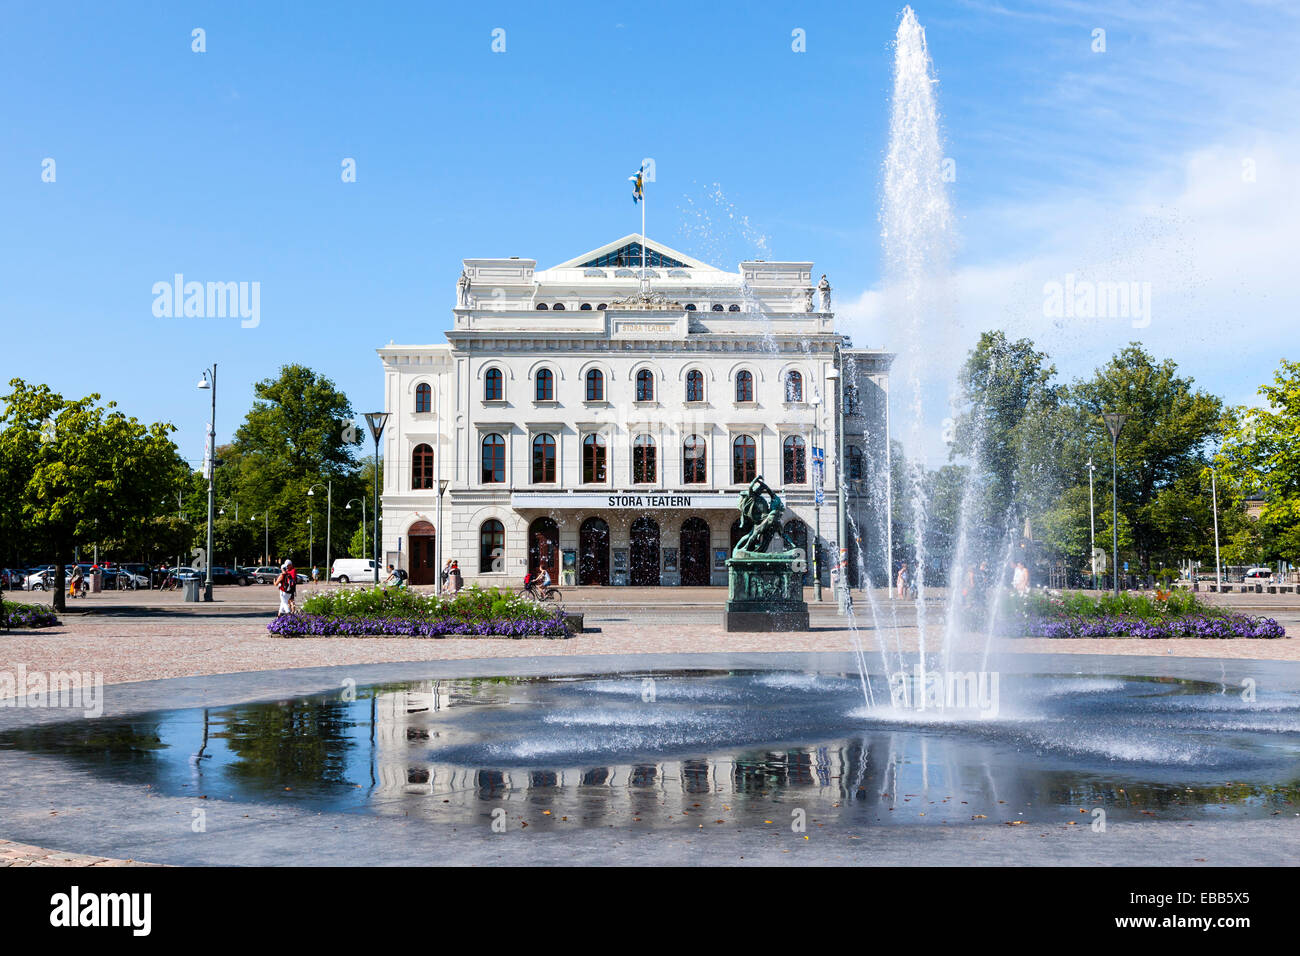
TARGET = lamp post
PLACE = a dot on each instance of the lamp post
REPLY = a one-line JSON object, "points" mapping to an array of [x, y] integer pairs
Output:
{"points": [[329, 519], [210, 385], [816, 401], [1092, 526], [1214, 497], [266, 536], [841, 530], [437, 532], [348, 507], [222, 511], [376, 422], [1115, 424], [311, 540]]}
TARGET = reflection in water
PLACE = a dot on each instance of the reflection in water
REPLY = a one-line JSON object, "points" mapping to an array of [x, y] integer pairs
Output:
{"points": [[710, 749]]}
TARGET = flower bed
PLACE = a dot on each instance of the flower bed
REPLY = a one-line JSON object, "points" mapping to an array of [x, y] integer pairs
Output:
{"points": [[28, 615], [376, 612], [1198, 625], [1165, 616]]}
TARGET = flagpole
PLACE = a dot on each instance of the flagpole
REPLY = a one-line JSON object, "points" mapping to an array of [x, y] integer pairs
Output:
{"points": [[645, 283]]}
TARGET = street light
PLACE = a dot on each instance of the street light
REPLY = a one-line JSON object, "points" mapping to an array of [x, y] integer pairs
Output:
{"points": [[211, 386], [376, 422], [1092, 525], [437, 540], [816, 401], [1115, 423], [348, 507], [311, 540], [329, 519], [1218, 567], [841, 506], [266, 535]]}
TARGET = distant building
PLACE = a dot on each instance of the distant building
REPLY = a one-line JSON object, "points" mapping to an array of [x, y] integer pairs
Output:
{"points": [[601, 424]]}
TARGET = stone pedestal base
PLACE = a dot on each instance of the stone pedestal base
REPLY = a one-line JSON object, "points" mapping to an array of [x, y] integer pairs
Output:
{"points": [[765, 621], [765, 593]]}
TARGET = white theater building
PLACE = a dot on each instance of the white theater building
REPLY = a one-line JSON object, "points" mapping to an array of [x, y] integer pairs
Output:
{"points": [[602, 424]]}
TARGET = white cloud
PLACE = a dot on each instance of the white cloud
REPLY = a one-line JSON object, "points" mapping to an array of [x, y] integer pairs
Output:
{"points": [[1218, 249]]}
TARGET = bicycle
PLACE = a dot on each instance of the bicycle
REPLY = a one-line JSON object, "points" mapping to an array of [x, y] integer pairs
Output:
{"points": [[535, 592]]}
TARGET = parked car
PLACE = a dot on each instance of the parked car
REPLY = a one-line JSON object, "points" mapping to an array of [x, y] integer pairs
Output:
{"points": [[1258, 574], [346, 570], [266, 575], [40, 580], [222, 575]]}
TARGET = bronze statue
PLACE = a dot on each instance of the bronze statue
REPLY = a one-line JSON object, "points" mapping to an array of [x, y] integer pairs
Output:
{"points": [[760, 520]]}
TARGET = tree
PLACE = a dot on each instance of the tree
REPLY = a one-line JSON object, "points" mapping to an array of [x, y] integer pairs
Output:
{"points": [[300, 431], [1008, 426], [1261, 455], [1162, 451], [78, 470]]}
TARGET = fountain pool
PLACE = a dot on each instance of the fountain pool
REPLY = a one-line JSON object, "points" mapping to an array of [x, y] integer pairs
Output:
{"points": [[710, 748]]}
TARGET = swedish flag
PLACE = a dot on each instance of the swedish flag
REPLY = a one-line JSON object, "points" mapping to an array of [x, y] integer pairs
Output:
{"points": [[637, 194]]}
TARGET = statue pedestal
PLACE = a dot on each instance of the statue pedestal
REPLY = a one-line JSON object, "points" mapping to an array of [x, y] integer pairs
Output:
{"points": [[764, 593]]}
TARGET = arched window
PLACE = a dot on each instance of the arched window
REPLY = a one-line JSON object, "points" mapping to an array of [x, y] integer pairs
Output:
{"points": [[542, 306], [593, 459], [602, 307], [744, 460], [545, 385], [645, 385], [585, 307], [695, 386], [543, 459], [422, 467], [694, 461], [493, 385], [595, 385], [492, 547], [494, 459], [690, 306], [733, 308], [744, 386], [793, 387], [644, 466], [423, 397], [794, 460], [558, 307], [856, 469], [717, 307]]}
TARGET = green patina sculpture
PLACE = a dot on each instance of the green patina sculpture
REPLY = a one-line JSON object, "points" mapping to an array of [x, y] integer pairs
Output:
{"points": [[760, 520], [764, 588]]}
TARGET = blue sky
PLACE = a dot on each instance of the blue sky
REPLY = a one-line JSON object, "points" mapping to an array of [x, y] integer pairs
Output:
{"points": [[225, 166]]}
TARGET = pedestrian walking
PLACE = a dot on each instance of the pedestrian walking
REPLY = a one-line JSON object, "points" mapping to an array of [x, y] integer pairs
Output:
{"points": [[457, 581], [902, 581], [286, 586], [1020, 579]]}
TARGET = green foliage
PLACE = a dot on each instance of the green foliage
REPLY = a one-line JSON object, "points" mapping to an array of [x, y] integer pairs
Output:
{"points": [[1261, 456], [1139, 606], [1008, 427], [78, 472], [471, 605]]}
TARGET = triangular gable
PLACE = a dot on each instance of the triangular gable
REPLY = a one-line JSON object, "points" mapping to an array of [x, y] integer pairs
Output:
{"points": [[629, 249]]}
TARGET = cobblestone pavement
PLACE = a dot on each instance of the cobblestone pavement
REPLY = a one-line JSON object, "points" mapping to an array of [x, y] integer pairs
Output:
{"points": [[20, 854], [150, 647]]}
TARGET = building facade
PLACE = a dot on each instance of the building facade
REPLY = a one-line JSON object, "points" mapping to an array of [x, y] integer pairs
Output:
{"points": [[601, 422]]}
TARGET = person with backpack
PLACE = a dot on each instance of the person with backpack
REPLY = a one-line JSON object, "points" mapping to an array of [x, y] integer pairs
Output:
{"points": [[457, 581], [396, 577], [287, 585]]}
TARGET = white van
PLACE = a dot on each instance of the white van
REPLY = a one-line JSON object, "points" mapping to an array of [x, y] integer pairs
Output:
{"points": [[353, 569]]}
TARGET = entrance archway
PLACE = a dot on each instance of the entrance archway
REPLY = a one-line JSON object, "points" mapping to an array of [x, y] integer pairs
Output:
{"points": [[695, 552], [736, 535], [593, 552], [422, 553], [645, 553], [544, 548]]}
